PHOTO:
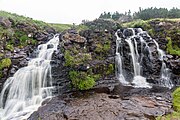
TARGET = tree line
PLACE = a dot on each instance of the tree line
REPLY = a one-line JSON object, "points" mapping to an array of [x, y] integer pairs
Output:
{"points": [[144, 14]]}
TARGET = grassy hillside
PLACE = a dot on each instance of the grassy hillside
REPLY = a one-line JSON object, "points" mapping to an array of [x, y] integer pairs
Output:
{"points": [[38, 23]]}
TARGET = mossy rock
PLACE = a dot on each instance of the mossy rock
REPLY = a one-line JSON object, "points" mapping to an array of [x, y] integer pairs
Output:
{"points": [[5, 63], [176, 99]]}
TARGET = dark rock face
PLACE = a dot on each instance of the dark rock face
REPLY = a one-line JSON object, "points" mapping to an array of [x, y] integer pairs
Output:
{"points": [[101, 106]]}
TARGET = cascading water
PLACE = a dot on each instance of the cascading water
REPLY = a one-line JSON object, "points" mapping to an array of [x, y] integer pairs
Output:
{"points": [[24, 92], [138, 79], [165, 74], [118, 59]]}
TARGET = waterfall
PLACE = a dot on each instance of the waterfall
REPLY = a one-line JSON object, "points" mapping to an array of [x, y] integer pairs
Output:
{"points": [[138, 80], [129, 36], [30, 86], [165, 74], [118, 60]]}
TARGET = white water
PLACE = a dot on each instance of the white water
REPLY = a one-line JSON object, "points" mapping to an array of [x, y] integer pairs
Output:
{"points": [[165, 74], [29, 86], [138, 79], [118, 59]]}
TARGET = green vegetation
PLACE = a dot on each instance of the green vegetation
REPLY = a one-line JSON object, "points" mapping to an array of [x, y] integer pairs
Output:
{"points": [[103, 48], [138, 24], [6, 62], [69, 59], [72, 60], [110, 69], [176, 100], [40, 24], [10, 47], [82, 80], [172, 50], [20, 18], [176, 105], [61, 27]]}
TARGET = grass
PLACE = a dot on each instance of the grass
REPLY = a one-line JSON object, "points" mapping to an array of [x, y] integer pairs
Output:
{"points": [[172, 50], [38, 23], [61, 27]]}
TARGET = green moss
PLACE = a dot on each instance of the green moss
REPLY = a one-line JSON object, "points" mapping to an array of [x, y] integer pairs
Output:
{"points": [[76, 59], [170, 49], [5, 63], [23, 38], [82, 80], [110, 69], [176, 99], [10, 47], [1, 55], [103, 49], [172, 116], [107, 46], [69, 60]]}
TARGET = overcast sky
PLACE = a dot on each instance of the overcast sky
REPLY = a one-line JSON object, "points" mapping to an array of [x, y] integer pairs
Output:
{"points": [[74, 11]]}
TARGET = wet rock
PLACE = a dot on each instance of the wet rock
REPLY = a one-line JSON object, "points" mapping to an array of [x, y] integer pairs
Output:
{"points": [[103, 106], [50, 46], [128, 32]]}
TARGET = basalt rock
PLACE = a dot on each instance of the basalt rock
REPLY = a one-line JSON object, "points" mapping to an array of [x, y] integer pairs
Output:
{"points": [[137, 104]]}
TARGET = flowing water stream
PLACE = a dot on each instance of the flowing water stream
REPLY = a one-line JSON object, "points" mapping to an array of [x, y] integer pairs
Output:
{"points": [[136, 58], [30, 86]]}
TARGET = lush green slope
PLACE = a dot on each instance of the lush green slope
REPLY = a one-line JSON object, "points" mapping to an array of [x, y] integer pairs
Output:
{"points": [[41, 24]]}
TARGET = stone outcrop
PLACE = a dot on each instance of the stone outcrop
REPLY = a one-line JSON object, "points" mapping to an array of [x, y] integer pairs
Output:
{"points": [[129, 104]]}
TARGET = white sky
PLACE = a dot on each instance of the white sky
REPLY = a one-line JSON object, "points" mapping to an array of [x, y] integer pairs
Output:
{"points": [[74, 11]]}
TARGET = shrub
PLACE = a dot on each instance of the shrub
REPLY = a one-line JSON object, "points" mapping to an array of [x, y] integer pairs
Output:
{"points": [[82, 80]]}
